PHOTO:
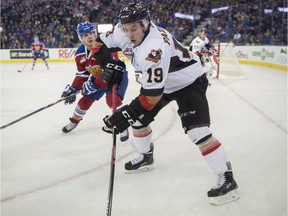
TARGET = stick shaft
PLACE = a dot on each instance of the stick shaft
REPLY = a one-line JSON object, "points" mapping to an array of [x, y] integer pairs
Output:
{"points": [[113, 157], [25, 65], [36, 111]]}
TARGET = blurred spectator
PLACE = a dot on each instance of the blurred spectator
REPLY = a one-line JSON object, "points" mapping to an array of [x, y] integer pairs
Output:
{"points": [[57, 27], [20, 19], [260, 23], [237, 37]]}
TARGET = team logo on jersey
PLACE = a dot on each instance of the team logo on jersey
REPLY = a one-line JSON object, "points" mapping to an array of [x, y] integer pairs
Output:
{"points": [[154, 55], [94, 70]]}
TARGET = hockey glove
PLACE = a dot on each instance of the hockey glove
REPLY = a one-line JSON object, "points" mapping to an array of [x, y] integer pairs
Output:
{"points": [[69, 91], [89, 87], [213, 51], [113, 73], [122, 119]]}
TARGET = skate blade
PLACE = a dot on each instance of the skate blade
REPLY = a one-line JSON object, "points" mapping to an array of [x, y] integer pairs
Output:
{"points": [[140, 170], [227, 198]]}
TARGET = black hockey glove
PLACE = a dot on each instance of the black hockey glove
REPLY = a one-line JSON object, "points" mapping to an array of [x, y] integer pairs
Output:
{"points": [[113, 73], [122, 119]]}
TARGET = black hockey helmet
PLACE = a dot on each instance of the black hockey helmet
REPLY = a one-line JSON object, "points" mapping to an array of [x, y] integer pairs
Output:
{"points": [[133, 12]]}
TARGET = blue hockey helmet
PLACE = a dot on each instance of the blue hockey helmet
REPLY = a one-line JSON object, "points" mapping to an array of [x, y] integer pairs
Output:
{"points": [[85, 28]]}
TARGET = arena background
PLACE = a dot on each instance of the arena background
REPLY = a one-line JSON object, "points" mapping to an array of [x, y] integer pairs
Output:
{"points": [[47, 173]]}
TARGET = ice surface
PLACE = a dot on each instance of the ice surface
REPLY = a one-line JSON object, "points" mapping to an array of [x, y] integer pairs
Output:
{"points": [[48, 173]]}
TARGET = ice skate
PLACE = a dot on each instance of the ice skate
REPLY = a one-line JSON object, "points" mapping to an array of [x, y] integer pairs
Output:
{"points": [[72, 125], [225, 190], [124, 135], [142, 163]]}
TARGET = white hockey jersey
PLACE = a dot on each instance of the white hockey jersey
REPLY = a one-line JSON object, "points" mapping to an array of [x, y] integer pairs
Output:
{"points": [[198, 44], [164, 62]]}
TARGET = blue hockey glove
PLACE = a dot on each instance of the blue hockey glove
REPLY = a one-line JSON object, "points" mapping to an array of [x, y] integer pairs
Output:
{"points": [[89, 87], [69, 90], [113, 73]]}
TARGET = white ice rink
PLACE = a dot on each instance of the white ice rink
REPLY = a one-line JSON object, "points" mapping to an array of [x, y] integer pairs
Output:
{"points": [[48, 173]]}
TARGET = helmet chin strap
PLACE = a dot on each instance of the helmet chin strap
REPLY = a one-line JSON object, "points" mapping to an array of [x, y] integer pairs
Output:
{"points": [[79, 37], [146, 29]]}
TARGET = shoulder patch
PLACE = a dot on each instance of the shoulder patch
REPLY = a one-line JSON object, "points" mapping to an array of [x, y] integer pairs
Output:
{"points": [[82, 60], [154, 55]]}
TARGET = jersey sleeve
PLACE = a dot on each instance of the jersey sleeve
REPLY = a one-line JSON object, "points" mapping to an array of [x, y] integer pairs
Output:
{"points": [[81, 71], [78, 82], [111, 38], [81, 74], [43, 46]]}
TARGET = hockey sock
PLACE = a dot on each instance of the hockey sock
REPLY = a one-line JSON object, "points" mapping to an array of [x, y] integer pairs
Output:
{"points": [[141, 144], [75, 119], [216, 157], [214, 154], [83, 105]]}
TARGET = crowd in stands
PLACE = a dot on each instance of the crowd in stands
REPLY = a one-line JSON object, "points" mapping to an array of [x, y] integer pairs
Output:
{"points": [[55, 22], [251, 23], [162, 12]]}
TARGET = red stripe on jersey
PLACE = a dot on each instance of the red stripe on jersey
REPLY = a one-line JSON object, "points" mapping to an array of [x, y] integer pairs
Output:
{"points": [[144, 102], [115, 56]]}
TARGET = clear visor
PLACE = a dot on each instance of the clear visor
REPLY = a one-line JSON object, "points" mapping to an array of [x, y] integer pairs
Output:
{"points": [[143, 22], [94, 34]]}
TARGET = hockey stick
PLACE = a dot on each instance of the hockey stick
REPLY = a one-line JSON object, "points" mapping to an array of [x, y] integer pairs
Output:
{"points": [[113, 156], [23, 67], [36, 111]]}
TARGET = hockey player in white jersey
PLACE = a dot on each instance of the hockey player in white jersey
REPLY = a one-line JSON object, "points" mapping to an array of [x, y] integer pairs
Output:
{"points": [[201, 46], [169, 72], [199, 42]]}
